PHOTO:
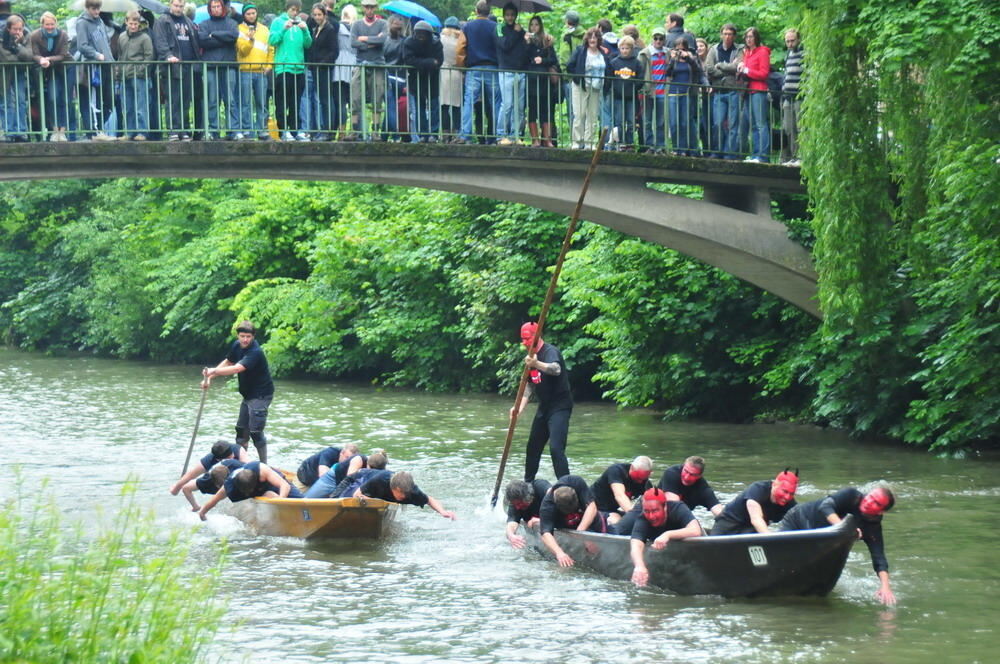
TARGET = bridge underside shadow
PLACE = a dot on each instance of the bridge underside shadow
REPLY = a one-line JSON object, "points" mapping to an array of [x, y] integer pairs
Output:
{"points": [[732, 229]]}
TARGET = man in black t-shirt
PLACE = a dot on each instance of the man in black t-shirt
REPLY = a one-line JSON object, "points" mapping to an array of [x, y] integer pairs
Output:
{"points": [[760, 503], [524, 503], [568, 504], [867, 509], [396, 487], [252, 480], [621, 484], [685, 482], [247, 361], [550, 383], [221, 450], [661, 521]]}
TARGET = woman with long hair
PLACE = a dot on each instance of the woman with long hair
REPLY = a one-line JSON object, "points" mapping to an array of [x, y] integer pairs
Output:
{"points": [[754, 68], [588, 65], [542, 62]]}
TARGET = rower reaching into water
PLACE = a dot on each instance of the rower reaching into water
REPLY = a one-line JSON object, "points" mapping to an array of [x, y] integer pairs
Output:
{"points": [[524, 503], [220, 451], [760, 503], [661, 521], [568, 504], [867, 509], [392, 487], [253, 480], [210, 483]]}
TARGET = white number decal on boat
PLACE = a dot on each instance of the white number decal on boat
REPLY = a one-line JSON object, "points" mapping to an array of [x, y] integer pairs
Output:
{"points": [[306, 516], [757, 556]]}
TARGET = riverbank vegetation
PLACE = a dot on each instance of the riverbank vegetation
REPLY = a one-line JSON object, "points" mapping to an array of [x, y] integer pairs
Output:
{"points": [[124, 593], [426, 289]]}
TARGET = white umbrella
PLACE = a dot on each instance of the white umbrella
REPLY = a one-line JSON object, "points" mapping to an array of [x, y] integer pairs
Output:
{"points": [[113, 6]]}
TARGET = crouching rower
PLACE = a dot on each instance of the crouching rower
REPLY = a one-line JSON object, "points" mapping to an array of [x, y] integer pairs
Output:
{"points": [[220, 451], [568, 504], [212, 481], [867, 509], [524, 502], [686, 482], [317, 465], [356, 470], [619, 485], [253, 480], [392, 487], [661, 520], [760, 503]]}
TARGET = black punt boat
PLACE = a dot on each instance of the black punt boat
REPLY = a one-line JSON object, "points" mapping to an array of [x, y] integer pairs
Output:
{"points": [[801, 562]]}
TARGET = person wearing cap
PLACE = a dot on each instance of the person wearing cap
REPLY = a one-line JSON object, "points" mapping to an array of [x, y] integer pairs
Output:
{"points": [[451, 79], [654, 59], [549, 382], [686, 482], [867, 510], [477, 52], [423, 57], [368, 36], [246, 360], [620, 484], [760, 503], [255, 56], [660, 522]]}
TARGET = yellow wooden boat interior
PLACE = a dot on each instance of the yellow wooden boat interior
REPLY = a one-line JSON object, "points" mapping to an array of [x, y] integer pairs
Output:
{"points": [[316, 518]]}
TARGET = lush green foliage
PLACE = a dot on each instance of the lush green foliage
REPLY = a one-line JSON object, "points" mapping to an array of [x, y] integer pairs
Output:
{"points": [[123, 594]]}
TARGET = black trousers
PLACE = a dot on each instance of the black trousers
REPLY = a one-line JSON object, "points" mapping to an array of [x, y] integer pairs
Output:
{"points": [[288, 90], [552, 428]]}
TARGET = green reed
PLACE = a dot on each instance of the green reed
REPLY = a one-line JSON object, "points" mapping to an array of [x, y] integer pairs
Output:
{"points": [[124, 591]]}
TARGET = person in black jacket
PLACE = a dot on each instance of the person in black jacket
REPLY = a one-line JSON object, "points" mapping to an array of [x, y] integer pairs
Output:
{"points": [[218, 34], [423, 55], [512, 52], [175, 41], [588, 67], [542, 95], [321, 55]]}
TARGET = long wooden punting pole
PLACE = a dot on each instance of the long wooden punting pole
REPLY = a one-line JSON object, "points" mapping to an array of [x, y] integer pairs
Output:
{"points": [[194, 434], [545, 312]]}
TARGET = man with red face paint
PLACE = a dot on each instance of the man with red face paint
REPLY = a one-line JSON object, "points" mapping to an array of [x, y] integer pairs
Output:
{"points": [[524, 502], [621, 484], [550, 383], [685, 482], [568, 504], [867, 509], [760, 503], [661, 520]]}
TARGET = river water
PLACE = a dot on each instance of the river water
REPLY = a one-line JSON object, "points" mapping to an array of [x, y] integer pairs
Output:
{"points": [[442, 591]]}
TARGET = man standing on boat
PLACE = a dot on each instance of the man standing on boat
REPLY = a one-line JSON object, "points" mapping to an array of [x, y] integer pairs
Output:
{"points": [[760, 503], [867, 510], [621, 484], [524, 503], [550, 383], [661, 520], [685, 482], [246, 360], [569, 504]]}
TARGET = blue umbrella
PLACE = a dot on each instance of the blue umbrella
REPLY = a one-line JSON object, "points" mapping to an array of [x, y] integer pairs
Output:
{"points": [[201, 13], [413, 10]]}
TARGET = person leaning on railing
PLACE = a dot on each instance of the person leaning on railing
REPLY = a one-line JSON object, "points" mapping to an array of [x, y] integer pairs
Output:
{"points": [[218, 34], [14, 56], [135, 45], [343, 73], [255, 56], [423, 55], [50, 49], [685, 73], [588, 67], [175, 40], [542, 95], [94, 46], [322, 54]]}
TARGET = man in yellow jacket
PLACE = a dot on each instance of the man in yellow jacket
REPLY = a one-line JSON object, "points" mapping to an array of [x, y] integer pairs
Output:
{"points": [[255, 56]]}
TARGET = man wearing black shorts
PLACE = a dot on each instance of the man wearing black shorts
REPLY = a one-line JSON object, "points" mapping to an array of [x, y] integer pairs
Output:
{"points": [[550, 383], [246, 359]]}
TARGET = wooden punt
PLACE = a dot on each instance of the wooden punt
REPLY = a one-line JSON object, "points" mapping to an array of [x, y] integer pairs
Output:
{"points": [[801, 562], [316, 518]]}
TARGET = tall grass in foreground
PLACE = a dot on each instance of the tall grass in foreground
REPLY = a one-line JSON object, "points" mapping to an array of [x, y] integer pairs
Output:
{"points": [[121, 592]]}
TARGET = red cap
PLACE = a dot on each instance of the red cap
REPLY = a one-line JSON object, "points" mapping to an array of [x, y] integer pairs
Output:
{"points": [[655, 494]]}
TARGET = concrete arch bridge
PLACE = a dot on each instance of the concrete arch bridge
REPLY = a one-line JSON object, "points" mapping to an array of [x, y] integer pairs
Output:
{"points": [[731, 228]]}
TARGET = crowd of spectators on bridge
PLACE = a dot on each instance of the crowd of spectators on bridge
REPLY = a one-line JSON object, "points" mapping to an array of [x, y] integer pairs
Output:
{"points": [[315, 73]]}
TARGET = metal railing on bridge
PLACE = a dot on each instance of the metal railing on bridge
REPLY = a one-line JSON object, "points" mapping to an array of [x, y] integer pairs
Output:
{"points": [[77, 101]]}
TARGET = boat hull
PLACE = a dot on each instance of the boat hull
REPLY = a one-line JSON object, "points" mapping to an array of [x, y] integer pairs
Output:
{"points": [[803, 562], [316, 518]]}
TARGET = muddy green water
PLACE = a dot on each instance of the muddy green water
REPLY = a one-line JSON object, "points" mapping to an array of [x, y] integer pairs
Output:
{"points": [[441, 591]]}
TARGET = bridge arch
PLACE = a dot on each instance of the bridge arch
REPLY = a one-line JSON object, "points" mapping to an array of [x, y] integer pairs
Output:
{"points": [[730, 229]]}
